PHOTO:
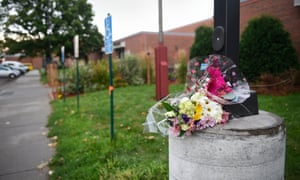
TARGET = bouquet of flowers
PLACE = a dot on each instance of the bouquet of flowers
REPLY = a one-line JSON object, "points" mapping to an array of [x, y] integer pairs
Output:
{"points": [[212, 82]]}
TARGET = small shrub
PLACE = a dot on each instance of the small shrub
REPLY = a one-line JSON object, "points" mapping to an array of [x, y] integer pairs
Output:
{"points": [[120, 82], [144, 69], [266, 47], [130, 70], [100, 74], [203, 42], [43, 74], [182, 70], [92, 77]]}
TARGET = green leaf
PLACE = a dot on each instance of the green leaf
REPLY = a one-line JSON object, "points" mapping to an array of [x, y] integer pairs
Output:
{"points": [[167, 106]]}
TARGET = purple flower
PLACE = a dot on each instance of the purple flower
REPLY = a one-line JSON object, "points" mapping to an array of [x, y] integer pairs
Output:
{"points": [[206, 122], [185, 118]]}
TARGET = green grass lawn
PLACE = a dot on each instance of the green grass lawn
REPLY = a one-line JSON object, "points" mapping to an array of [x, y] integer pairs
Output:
{"points": [[85, 151]]}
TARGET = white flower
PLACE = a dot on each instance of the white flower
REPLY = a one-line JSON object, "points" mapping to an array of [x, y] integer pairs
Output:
{"points": [[184, 99], [170, 114], [204, 101], [196, 97], [214, 110]]}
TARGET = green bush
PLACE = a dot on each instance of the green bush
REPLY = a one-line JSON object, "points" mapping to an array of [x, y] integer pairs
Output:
{"points": [[266, 47], [100, 74], [203, 42], [181, 70], [92, 77], [130, 70], [144, 66], [43, 74]]}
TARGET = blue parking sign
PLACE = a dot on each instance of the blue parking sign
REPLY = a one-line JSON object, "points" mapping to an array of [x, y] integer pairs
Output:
{"points": [[108, 35]]}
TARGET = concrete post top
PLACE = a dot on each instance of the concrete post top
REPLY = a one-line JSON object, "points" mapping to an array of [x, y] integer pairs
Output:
{"points": [[251, 147], [264, 123]]}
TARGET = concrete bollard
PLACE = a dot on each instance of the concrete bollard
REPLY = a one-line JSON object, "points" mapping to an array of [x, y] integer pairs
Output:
{"points": [[248, 148]]}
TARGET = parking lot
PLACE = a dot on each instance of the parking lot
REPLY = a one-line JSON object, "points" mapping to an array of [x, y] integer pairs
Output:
{"points": [[24, 109], [3, 81]]}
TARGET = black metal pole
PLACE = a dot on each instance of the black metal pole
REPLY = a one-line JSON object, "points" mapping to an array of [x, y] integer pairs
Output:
{"points": [[227, 15]]}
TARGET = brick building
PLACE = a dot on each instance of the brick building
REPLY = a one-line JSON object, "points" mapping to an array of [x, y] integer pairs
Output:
{"points": [[145, 43], [178, 40], [182, 38]]}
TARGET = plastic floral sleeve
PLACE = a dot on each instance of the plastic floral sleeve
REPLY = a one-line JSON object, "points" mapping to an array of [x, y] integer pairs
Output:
{"points": [[220, 76], [211, 82]]}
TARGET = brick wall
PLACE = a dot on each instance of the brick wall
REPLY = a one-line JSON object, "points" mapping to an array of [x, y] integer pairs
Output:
{"points": [[37, 62], [190, 28]]}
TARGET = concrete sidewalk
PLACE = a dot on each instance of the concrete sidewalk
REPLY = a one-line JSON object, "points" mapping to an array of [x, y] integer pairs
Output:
{"points": [[24, 111]]}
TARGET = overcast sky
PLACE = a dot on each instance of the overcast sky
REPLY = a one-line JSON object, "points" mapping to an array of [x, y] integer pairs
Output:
{"points": [[132, 16]]}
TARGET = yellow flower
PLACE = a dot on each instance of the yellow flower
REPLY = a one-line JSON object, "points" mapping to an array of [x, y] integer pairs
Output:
{"points": [[184, 127], [198, 112]]}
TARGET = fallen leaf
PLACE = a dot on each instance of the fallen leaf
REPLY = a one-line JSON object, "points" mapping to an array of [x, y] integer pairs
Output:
{"points": [[150, 137], [42, 165], [54, 138], [52, 144]]}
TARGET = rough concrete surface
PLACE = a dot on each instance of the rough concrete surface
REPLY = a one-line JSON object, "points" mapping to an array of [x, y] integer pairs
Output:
{"points": [[24, 110], [249, 148]]}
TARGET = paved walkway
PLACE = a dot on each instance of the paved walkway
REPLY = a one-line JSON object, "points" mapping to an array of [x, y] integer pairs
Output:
{"points": [[24, 110]]}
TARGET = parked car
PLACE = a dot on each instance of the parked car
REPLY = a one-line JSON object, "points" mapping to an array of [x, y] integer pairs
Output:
{"points": [[13, 68], [29, 65], [16, 65], [8, 72]]}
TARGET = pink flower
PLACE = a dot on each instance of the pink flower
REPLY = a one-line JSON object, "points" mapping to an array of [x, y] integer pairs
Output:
{"points": [[225, 117], [175, 130], [217, 85]]}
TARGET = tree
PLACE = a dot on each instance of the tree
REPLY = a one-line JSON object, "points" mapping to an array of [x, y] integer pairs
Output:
{"points": [[38, 27], [266, 47], [203, 42]]}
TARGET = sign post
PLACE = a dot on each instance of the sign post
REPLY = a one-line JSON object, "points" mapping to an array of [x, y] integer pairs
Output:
{"points": [[161, 61], [108, 50], [64, 71], [76, 55]]}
